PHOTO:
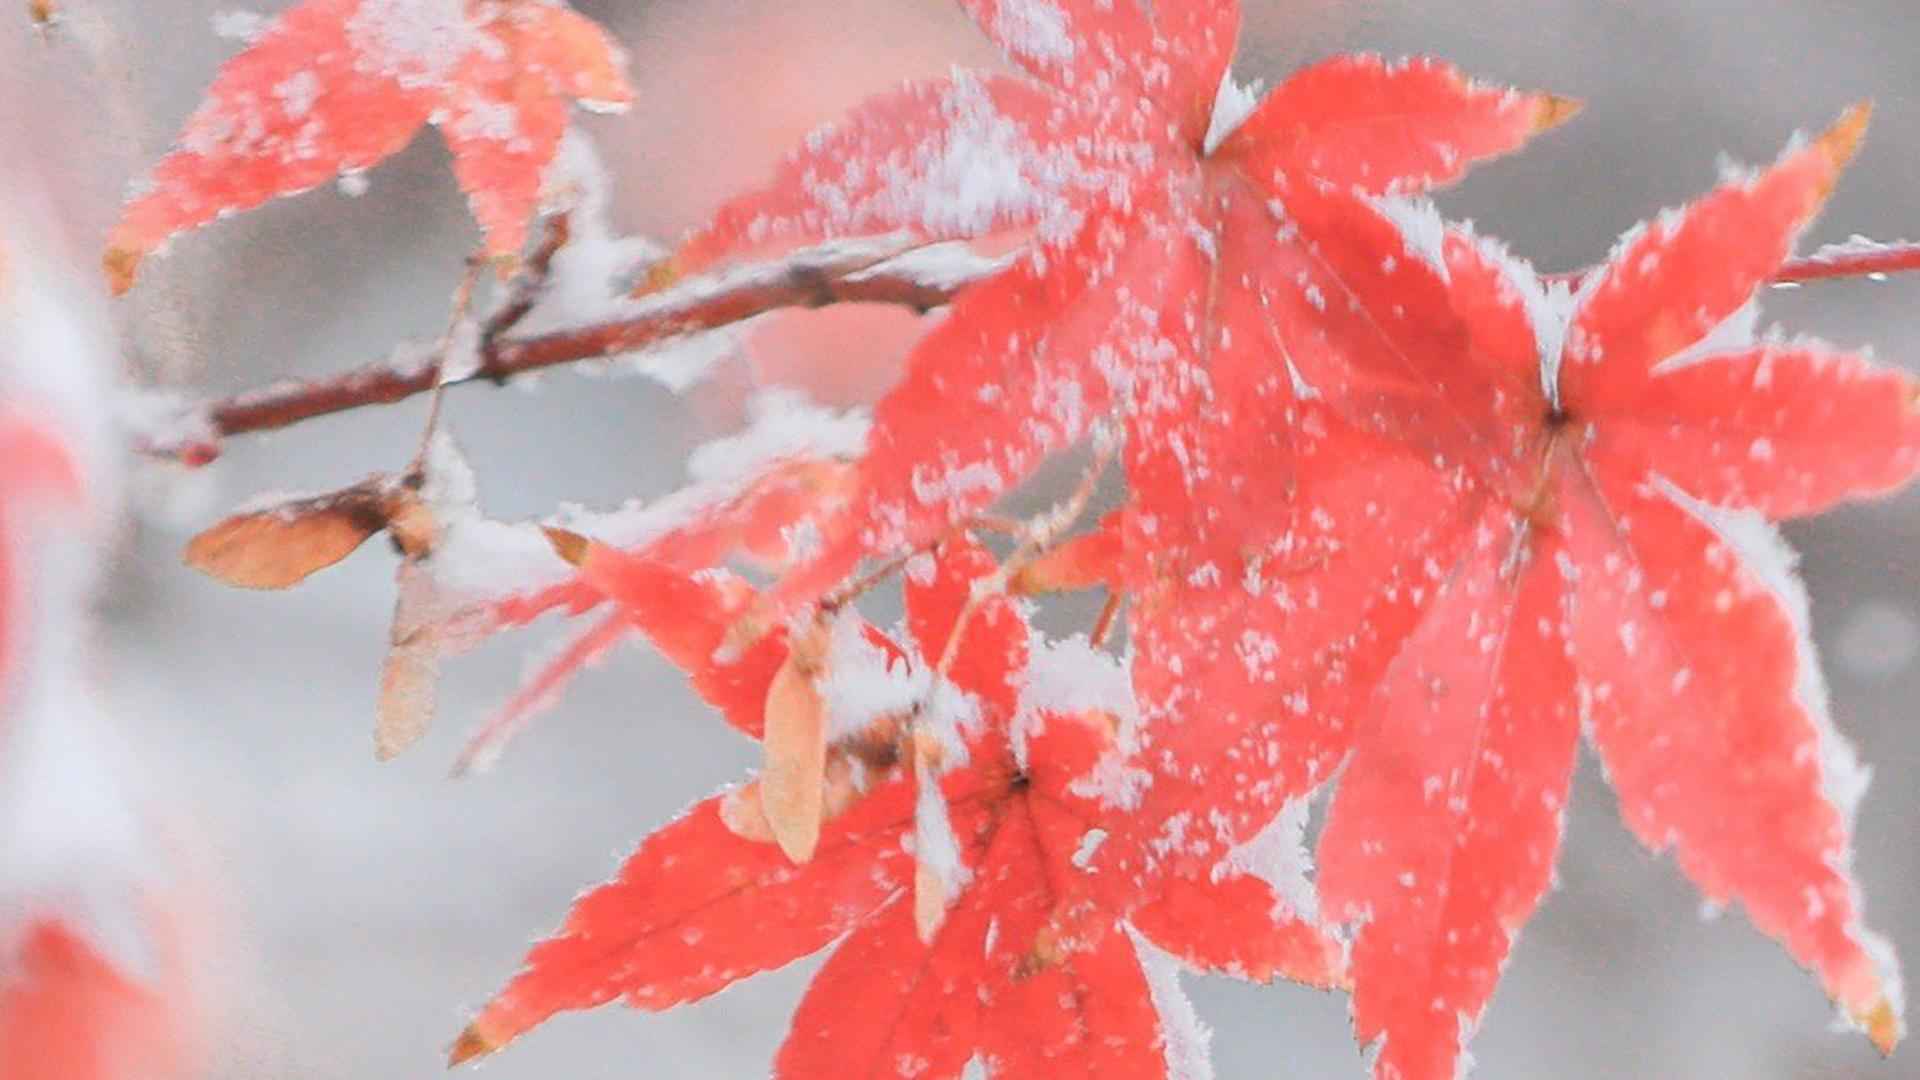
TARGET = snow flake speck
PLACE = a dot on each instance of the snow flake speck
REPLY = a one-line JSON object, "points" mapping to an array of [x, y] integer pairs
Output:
{"points": [[1035, 29]]}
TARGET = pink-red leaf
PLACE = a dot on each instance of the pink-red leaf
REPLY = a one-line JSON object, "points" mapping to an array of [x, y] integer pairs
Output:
{"points": [[1712, 727], [1786, 430], [337, 86], [698, 907], [1669, 286], [956, 158], [1172, 53], [1363, 122], [1443, 834]]}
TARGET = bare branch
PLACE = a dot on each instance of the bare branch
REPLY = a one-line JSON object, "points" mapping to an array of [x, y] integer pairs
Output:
{"points": [[920, 277], [1858, 257]]}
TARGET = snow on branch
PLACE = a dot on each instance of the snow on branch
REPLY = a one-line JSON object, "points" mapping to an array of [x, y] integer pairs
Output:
{"points": [[886, 271]]}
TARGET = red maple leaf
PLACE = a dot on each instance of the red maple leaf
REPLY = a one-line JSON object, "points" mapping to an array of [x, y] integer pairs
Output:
{"points": [[1116, 153], [34, 465], [1031, 969], [66, 1011], [1616, 570], [338, 86]]}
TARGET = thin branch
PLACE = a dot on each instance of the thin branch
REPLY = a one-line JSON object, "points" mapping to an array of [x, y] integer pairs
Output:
{"points": [[886, 272], [1855, 258], [868, 272]]}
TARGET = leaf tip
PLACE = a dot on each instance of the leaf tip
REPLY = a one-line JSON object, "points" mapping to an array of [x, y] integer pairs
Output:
{"points": [[472, 1045], [570, 546], [1841, 142], [1553, 110], [120, 264], [1883, 1027]]}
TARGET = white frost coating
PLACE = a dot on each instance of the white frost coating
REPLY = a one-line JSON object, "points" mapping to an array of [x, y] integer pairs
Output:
{"points": [[1184, 1039], [1421, 225], [416, 42], [161, 418], [461, 358], [785, 427], [1278, 856], [586, 280], [783, 424], [934, 844], [947, 266], [1035, 29], [1549, 306], [472, 554], [1231, 107], [979, 170], [1072, 677], [1765, 553], [1736, 332], [1856, 246], [864, 682]]}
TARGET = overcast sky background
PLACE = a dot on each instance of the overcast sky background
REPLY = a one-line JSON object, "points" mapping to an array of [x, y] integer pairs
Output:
{"points": [[371, 907]]}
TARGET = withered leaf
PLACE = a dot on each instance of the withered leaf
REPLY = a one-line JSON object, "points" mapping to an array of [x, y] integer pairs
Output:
{"points": [[412, 673], [280, 547], [795, 745]]}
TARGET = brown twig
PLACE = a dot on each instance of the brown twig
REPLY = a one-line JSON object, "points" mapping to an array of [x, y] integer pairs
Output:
{"points": [[853, 273], [885, 272]]}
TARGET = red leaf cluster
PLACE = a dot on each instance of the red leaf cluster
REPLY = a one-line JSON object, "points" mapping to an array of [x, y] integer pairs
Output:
{"points": [[1395, 509]]}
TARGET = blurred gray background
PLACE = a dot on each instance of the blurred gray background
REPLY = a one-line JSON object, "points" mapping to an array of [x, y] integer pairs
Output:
{"points": [[366, 909]]}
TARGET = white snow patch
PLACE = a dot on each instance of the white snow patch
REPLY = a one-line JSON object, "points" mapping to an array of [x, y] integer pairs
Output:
{"points": [[1420, 223], [1184, 1038], [1764, 552], [1034, 29], [783, 425], [1231, 107], [934, 844], [865, 682]]}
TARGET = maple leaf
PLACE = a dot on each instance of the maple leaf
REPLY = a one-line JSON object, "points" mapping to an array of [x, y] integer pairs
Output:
{"points": [[1621, 570], [1025, 971], [337, 86], [67, 1011], [34, 467], [1114, 308]]}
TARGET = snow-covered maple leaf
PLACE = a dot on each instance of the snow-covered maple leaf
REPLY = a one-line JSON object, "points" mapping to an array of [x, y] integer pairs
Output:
{"points": [[1030, 972], [1617, 571], [334, 87], [1170, 266]]}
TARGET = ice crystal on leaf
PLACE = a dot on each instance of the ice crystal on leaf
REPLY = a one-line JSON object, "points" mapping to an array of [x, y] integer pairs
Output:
{"points": [[334, 87]]}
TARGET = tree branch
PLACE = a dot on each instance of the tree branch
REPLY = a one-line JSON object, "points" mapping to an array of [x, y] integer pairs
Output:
{"points": [[869, 272], [1858, 257], [864, 272]]}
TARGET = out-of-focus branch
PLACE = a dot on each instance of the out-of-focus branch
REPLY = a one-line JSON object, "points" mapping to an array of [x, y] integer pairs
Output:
{"points": [[921, 277]]}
